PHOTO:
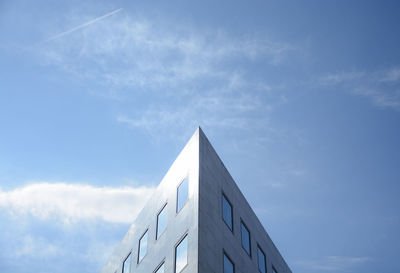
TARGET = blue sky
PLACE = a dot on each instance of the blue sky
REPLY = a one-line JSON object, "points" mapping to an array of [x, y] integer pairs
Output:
{"points": [[301, 99]]}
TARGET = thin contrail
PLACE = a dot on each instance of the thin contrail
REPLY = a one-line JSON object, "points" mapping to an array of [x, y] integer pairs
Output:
{"points": [[83, 25]]}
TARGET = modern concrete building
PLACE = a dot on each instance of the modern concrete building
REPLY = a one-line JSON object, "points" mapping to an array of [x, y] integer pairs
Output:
{"points": [[196, 221]]}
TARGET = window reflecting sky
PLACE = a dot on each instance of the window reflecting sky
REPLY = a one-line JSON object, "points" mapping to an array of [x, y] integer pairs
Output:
{"points": [[143, 246], [181, 255], [182, 194], [160, 269], [161, 221], [245, 238], [261, 260], [228, 266], [227, 212], [127, 264]]}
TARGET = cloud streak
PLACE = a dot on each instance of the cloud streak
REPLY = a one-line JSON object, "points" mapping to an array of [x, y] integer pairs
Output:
{"points": [[74, 202], [83, 25]]}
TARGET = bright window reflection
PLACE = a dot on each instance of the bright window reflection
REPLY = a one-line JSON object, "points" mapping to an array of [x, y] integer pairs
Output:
{"points": [[142, 246], [161, 221], [182, 194], [245, 238], [227, 212], [181, 255], [160, 269], [228, 265], [261, 260], [127, 264]]}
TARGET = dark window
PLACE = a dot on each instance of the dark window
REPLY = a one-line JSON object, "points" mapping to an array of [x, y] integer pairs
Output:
{"points": [[261, 260], [229, 267], [142, 246], [182, 193], [181, 255], [227, 212], [160, 269], [127, 264], [245, 238], [161, 221]]}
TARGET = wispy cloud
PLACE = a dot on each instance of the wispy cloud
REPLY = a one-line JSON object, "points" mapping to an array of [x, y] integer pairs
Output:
{"points": [[382, 87], [385, 98], [391, 75], [340, 77], [143, 54], [232, 111], [183, 76], [73, 202], [333, 263]]}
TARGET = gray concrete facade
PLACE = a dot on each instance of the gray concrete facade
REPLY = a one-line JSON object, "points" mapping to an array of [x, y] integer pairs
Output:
{"points": [[200, 218], [214, 235]]}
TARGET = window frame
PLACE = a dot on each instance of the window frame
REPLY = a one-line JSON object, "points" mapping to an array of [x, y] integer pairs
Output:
{"points": [[230, 260], [159, 266], [222, 211], [258, 259], [242, 224], [158, 214], [139, 244], [177, 194], [184, 236], [130, 262]]}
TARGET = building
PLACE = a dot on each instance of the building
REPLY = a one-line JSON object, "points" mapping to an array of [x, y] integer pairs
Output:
{"points": [[196, 221]]}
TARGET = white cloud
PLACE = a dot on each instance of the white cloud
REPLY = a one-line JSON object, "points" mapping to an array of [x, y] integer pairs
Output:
{"points": [[334, 263], [73, 202]]}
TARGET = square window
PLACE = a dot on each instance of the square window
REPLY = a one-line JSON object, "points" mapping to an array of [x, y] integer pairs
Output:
{"points": [[227, 212], [161, 221], [262, 265], [181, 255], [127, 264], [245, 238], [142, 246], [229, 267], [182, 194]]}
